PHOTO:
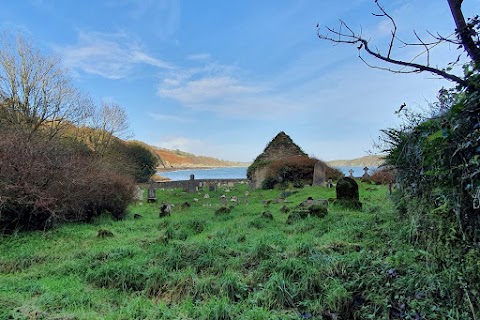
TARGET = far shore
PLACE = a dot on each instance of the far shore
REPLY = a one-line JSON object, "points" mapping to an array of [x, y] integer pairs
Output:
{"points": [[163, 169]]}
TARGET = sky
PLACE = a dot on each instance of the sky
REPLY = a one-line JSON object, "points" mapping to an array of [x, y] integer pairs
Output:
{"points": [[222, 78]]}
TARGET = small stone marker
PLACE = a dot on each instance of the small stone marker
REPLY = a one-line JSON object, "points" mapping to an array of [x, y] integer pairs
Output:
{"points": [[330, 183], [319, 177], [347, 193], [165, 210], [152, 194], [351, 173], [224, 200], [138, 194], [206, 196], [231, 184]]}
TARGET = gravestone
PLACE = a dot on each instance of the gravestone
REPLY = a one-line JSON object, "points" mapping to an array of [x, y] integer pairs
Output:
{"points": [[192, 184], [366, 176], [351, 173], [224, 200], [152, 194], [165, 210], [319, 177], [138, 194], [330, 183], [347, 193], [231, 184], [212, 188]]}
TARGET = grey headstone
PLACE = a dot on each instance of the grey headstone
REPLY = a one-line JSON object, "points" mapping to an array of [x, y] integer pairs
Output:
{"points": [[152, 194], [138, 196], [319, 178]]}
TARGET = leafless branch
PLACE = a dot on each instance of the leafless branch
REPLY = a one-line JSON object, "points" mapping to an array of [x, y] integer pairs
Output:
{"points": [[344, 34]]}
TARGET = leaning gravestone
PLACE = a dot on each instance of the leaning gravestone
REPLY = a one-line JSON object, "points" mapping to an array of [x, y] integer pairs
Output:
{"points": [[152, 194], [319, 178], [347, 193]]}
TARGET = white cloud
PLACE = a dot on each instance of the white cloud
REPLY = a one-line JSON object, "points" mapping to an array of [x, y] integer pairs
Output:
{"points": [[205, 89], [170, 118], [223, 90], [181, 143], [110, 55]]}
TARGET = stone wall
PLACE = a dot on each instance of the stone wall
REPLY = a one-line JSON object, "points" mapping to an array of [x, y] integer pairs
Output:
{"points": [[186, 184]]}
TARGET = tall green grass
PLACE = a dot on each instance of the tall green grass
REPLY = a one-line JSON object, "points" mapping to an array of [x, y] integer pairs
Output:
{"points": [[195, 264]]}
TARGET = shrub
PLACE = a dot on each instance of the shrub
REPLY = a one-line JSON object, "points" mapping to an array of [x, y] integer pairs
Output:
{"points": [[269, 183], [297, 170], [44, 182], [383, 175], [333, 173]]}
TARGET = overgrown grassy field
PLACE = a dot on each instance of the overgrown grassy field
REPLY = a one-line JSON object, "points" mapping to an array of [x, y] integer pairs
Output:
{"points": [[196, 264]]}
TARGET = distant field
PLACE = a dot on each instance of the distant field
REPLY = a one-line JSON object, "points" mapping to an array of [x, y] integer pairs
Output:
{"points": [[196, 264]]}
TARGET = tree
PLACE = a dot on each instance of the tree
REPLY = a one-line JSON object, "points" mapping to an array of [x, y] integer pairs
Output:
{"points": [[144, 161], [466, 37], [109, 121], [35, 92]]}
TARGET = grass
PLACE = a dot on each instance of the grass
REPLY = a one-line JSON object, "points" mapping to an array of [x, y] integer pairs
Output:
{"points": [[236, 264]]}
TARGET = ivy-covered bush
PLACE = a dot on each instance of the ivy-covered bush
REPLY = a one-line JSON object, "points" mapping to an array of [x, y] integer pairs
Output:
{"points": [[296, 170], [438, 159]]}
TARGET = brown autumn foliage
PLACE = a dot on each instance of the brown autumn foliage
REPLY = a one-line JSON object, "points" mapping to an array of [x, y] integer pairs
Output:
{"points": [[298, 169], [383, 175], [43, 183]]}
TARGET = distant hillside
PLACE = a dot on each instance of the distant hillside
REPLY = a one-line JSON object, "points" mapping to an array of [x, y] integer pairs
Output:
{"points": [[179, 159], [369, 161]]}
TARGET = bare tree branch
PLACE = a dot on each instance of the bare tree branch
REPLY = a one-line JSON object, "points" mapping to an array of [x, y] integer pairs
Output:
{"points": [[344, 34]]}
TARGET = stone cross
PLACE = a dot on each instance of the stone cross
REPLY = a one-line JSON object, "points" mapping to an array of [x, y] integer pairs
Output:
{"points": [[351, 173]]}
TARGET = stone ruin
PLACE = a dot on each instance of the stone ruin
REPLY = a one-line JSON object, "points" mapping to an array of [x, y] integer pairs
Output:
{"points": [[281, 147]]}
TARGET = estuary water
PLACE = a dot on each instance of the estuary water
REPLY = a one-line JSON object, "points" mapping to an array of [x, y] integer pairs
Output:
{"points": [[210, 173], [236, 173]]}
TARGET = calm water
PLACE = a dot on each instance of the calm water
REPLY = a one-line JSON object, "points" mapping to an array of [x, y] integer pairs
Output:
{"points": [[236, 173], [214, 173]]}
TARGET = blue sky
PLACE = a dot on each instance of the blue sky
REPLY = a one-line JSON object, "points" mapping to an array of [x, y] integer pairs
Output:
{"points": [[222, 78]]}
